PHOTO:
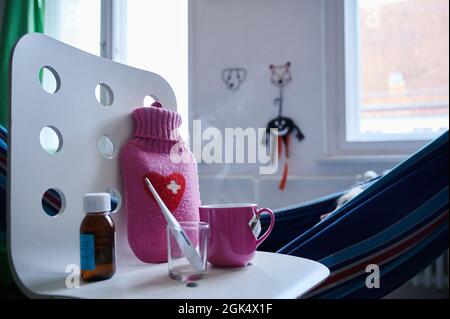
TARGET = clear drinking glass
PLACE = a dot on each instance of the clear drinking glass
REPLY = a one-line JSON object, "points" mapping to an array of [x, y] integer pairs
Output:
{"points": [[179, 266]]}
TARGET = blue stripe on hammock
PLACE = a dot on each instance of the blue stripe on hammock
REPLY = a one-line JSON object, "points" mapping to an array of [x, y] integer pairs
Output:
{"points": [[406, 167], [407, 222], [2, 181], [351, 287], [391, 241], [369, 258], [353, 207], [3, 146]]}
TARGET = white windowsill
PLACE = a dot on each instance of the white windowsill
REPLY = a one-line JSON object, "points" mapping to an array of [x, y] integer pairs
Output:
{"points": [[332, 159]]}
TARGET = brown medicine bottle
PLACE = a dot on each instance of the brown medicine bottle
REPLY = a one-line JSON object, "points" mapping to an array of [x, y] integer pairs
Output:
{"points": [[97, 238]]}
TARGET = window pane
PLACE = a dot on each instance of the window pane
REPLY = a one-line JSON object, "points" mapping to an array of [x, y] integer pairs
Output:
{"points": [[157, 41], [404, 68], [75, 22]]}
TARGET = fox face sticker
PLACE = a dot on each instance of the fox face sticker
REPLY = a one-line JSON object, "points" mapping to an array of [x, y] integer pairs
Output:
{"points": [[281, 74]]}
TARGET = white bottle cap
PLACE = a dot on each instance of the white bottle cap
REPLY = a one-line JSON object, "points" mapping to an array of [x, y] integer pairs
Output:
{"points": [[97, 202]]}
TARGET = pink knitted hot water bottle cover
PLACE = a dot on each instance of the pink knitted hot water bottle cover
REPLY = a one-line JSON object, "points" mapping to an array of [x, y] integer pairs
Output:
{"points": [[148, 155]]}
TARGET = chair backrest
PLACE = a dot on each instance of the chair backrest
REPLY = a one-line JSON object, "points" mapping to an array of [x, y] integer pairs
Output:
{"points": [[38, 242]]}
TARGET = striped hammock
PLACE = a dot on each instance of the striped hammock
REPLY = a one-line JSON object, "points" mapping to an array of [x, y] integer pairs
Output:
{"points": [[398, 223]]}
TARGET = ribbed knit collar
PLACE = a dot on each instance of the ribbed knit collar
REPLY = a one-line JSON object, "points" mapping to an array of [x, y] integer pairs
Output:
{"points": [[155, 122]]}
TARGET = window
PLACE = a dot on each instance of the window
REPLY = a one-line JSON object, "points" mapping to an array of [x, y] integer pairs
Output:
{"points": [[157, 41], [151, 35], [397, 69], [75, 22]]}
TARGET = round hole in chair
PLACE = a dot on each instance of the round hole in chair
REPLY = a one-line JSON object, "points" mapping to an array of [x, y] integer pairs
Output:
{"points": [[51, 139], [53, 202], [49, 79], [104, 94], [149, 100], [116, 199], [106, 147]]}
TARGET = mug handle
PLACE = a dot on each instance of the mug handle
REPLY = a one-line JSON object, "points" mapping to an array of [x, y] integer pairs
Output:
{"points": [[272, 223]]}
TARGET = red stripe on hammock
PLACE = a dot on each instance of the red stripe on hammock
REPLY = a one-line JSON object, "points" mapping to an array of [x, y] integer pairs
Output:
{"points": [[397, 249]]}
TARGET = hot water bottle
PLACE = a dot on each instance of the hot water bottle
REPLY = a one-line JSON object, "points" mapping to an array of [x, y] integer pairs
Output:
{"points": [[148, 154]]}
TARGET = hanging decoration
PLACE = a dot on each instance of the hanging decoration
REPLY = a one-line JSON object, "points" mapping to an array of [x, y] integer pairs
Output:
{"points": [[284, 126]]}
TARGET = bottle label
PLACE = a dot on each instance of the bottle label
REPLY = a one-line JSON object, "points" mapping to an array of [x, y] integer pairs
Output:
{"points": [[87, 252]]}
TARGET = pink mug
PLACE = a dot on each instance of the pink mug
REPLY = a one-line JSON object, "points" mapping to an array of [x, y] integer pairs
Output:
{"points": [[231, 240]]}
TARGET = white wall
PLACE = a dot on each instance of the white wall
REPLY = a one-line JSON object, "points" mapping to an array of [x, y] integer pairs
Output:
{"points": [[254, 34]]}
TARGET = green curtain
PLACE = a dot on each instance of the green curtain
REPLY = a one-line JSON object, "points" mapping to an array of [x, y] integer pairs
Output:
{"points": [[19, 18]]}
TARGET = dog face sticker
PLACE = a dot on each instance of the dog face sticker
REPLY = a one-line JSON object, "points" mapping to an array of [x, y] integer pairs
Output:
{"points": [[281, 74], [233, 77]]}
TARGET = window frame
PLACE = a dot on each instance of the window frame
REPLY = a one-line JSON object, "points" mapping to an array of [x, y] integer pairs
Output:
{"points": [[113, 35], [113, 15], [113, 40], [341, 61]]}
